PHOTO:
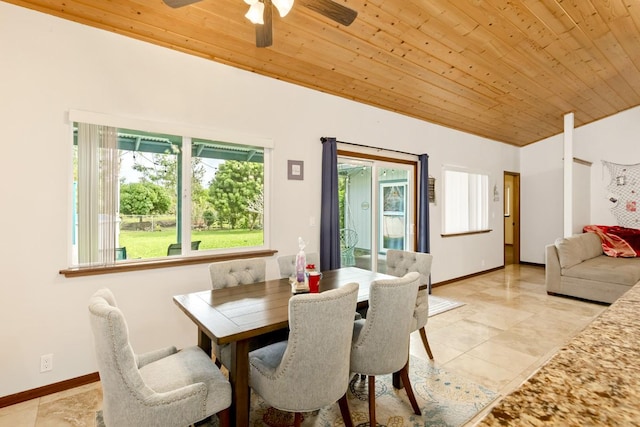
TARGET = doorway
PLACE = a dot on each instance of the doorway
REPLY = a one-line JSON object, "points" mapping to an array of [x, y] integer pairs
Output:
{"points": [[511, 218]]}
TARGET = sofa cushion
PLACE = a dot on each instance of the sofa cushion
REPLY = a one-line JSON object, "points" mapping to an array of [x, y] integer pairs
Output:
{"points": [[623, 271], [568, 254], [575, 249], [592, 245]]}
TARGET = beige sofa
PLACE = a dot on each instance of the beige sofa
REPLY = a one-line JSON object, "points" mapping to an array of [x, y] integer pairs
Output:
{"points": [[576, 266]]}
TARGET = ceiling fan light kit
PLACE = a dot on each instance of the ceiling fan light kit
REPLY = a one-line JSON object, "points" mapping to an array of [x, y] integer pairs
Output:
{"points": [[283, 6], [256, 9], [255, 14], [259, 13]]}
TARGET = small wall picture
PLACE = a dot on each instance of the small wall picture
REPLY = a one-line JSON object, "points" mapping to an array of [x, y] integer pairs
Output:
{"points": [[295, 169]]}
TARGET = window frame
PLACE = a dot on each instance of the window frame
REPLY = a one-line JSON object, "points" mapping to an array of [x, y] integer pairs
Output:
{"points": [[485, 213], [188, 133]]}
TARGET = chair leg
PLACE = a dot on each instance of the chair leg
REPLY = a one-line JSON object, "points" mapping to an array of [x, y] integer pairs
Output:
{"points": [[372, 400], [297, 419], [344, 410], [404, 374], [423, 335], [224, 417]]}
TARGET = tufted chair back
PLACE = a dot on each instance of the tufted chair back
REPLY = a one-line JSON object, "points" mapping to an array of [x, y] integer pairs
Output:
{"points": [[381, 341], [400, 263], [311, 369], [237, 272], [117, 363], [287, 264]]}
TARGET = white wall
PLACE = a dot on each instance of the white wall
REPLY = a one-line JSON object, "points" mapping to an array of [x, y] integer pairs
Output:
{"points": [[50, 66], [613, 139], [541, 192], [581, 197], [462, 255]]}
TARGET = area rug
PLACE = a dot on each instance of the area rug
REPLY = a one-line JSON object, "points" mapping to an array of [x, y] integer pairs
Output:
{"points": [[445, 399], [439, 305]]}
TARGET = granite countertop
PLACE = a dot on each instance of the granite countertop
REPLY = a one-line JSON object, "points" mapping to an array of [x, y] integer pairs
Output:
{"points": [[592, 381]]}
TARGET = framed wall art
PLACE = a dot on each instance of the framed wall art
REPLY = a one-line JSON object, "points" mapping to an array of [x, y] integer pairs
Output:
{"points": [[295, 169]]}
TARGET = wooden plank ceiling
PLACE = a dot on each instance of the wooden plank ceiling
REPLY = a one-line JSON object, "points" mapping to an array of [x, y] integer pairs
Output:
{"points": [[502, 69]]}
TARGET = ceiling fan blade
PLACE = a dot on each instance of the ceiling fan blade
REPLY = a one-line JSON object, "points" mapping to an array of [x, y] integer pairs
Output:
{"points": [[264, 32], [332, 10], [179, 3]]}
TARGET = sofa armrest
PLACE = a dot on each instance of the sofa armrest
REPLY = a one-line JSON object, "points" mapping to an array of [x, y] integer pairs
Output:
{"points": [[552, 271]]}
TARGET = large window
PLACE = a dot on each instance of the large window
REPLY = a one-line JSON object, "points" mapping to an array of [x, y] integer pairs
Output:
{"points": [[466, 201], [140, 194]]}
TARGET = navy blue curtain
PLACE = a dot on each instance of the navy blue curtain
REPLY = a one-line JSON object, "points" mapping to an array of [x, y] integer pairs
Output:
{"points": [[423, 204], [423, 207], [329, 213]]}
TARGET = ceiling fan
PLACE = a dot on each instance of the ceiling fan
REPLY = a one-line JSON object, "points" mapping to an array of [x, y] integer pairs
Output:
{"points": [[260, 13]]}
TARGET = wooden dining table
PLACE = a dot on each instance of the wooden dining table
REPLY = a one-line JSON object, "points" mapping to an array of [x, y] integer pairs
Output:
{"points": [[239, 315]]}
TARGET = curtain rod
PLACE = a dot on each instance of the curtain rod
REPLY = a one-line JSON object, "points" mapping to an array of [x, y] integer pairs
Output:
{"points": [[324, 138]]}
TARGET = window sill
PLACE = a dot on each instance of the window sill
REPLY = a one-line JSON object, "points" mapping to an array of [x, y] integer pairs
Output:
{"points": [[466, 233], [173, 261]]}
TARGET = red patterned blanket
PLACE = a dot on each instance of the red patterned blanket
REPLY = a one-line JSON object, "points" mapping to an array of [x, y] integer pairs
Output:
{"points": [[617, 241]]}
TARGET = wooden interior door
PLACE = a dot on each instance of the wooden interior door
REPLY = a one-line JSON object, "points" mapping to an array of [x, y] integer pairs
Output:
{"points": [[511, 196]]}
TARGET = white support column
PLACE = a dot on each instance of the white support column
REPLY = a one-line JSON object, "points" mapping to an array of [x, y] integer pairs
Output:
{"points": [[568, 174]]}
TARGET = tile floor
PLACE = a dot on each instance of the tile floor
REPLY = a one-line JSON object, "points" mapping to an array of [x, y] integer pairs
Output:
{"points": [[508, 328]]}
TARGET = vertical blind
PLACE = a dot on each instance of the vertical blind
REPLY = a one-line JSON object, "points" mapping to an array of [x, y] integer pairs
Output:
{"points": [[97, 194]]}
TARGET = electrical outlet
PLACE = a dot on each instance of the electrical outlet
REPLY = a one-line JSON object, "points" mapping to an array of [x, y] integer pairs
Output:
{"points": [[46, 362]]}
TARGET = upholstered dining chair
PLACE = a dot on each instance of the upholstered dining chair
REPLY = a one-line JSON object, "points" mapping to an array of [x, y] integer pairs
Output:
{"points": [[287, 263], [235, 272], [164, 387], [400, 263], [381, 341], [311, 369]]}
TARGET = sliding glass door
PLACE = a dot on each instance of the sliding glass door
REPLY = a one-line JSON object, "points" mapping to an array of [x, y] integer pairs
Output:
{"points": [[377, 210], [354, 198]]}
